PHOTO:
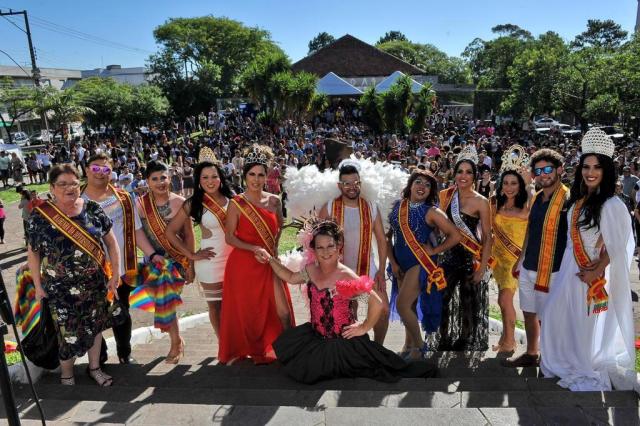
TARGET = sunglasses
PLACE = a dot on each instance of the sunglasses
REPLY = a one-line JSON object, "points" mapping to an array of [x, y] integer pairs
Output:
{"points": [[105, 170], [546, 170]]}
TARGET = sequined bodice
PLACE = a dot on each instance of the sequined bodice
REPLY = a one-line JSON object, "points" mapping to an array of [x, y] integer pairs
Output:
{"points": [[330, 313]]}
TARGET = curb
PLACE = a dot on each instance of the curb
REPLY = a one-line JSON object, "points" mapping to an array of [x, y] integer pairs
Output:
{"points": [[495, 326], [139, 336]]}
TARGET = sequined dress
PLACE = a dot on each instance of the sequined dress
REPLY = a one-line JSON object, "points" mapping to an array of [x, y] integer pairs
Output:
{"points": [[465, 308], [316, 350]]}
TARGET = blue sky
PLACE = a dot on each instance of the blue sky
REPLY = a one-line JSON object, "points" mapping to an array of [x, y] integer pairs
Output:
{"points": [[449, 25]]}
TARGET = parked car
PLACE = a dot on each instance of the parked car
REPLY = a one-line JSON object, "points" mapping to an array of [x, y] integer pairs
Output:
{"points": [[569, 131], [547, 122], [20, 138], [614, 133], [39, 138]]}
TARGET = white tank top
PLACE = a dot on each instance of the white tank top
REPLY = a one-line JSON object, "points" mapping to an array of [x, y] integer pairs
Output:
{"points": [[352, 237]]}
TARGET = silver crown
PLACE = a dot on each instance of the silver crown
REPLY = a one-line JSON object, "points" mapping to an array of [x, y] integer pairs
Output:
{"points": [[595, 141], [468, 153], [515, 158], [257, 157], [206, 154]]}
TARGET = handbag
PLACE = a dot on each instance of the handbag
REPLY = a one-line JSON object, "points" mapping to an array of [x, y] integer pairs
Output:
{"points": [[41, 345]]}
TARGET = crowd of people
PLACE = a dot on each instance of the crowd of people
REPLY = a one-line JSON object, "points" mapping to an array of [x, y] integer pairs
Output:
{"points": [[479, 201]]}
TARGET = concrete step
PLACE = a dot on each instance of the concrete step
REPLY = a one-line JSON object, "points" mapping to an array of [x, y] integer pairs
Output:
{"points": [[67, 412], [322, 398], [214, 377]]}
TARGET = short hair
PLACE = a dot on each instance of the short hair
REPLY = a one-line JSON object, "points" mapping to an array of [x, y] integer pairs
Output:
{"points": [[548, 155], [99, 156], [62, 169], [348, 169], [155, 166]]}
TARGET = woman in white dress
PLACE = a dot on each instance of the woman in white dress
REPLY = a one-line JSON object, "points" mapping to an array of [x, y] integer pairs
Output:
{"points": [[587, 323], [207, 207]]}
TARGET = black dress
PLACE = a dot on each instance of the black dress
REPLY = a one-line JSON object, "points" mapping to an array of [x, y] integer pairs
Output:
{"points": [[465, 310], [316, 351]]}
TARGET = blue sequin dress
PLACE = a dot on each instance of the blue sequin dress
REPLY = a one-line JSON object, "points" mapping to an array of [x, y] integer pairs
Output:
{"points": [[429, 306]]}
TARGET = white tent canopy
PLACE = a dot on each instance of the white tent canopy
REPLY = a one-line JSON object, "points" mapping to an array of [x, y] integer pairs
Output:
{"points": [[385, 84], [332, 85]]}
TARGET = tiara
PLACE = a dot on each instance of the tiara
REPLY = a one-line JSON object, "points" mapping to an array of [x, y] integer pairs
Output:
{"points": [[515, 158], [595, 141], [257, 157], [206, 154], [468, 153]]}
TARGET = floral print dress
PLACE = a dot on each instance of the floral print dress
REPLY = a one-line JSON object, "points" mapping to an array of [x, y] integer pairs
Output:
{"points": [[75, 284]]}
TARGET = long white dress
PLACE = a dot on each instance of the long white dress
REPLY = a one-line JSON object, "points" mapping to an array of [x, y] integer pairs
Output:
{"points": [[583, 349]]}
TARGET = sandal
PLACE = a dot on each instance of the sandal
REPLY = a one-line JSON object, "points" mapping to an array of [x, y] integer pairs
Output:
{"points": [[174, 359], [68, 381], [100, 377]]}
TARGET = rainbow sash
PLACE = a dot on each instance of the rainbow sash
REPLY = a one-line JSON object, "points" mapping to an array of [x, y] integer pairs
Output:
{"points": [[436, 274], [77, 234], [549, 238], [215, 208], [596, 293], [366, 228], [158, 227], [26, 309], [258, 222]]}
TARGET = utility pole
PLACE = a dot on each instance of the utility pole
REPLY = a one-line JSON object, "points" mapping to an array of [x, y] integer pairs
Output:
{"points": [[35, 71]]}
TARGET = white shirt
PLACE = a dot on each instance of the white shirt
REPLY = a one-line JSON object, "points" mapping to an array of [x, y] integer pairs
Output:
{"points": [[351, 227]]}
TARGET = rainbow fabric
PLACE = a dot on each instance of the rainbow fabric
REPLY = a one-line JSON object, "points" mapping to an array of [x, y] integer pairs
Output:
{"points": [[27, 308], [158, 291]]}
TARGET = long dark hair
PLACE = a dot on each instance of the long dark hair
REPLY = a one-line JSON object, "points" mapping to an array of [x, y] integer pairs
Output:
{"points": [[194, 202], [521, 196], [433, 191], [473, 165], [592, 206]]}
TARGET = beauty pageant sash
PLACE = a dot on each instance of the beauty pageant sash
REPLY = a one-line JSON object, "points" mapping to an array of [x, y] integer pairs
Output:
{"points": [[258, 222], [596, 295], [435, 273], [366, 228], [468, 240], [215, 208]]}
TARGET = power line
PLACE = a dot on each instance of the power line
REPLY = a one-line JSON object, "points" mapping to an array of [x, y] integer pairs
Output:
{"points": [[17, 64], [14, 24]]}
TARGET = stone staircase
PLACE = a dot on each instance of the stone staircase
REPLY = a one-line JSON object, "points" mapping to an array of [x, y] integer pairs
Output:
{"points": [[471, 389]]}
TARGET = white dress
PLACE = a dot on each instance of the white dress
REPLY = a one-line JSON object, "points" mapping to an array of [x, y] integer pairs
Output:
{"points": [[586, 350], [212, 270]]}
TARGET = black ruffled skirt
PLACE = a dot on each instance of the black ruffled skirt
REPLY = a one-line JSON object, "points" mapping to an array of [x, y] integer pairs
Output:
{"points": [[308, 358]]}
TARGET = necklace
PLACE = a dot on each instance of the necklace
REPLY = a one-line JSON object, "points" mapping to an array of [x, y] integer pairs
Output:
{"points": [[413, 205], [164, 210]]}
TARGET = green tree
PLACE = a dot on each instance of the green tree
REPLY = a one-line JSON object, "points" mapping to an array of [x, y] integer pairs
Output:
{"points": [[319, 103], [392, 36], [106, 99], [429, 58], [370, 105], [62, 108], [17, 101], [202, 58], [533, 76], [605, 34], [318, 42], [256, 77], [146, 105], [422, 107]]}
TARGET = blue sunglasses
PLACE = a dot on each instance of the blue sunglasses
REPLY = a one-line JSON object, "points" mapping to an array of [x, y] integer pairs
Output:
{"points": [[546, 170]]}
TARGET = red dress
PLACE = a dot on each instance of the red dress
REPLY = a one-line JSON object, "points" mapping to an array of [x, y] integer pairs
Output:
{"points": [[249, 321]]}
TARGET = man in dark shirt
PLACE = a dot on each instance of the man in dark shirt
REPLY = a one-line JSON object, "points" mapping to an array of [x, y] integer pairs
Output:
{"points": [[543, 248]]}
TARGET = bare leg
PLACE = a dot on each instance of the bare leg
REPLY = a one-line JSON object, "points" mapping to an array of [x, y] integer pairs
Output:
{"points": [[66, 368], [505, 300], [213, 291], [532, 327], [282, 306], [408, 294], [380, 328], [176, 341]]}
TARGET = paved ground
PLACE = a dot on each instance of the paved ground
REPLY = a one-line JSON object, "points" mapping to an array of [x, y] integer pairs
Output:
{"points": [[13, 254]]}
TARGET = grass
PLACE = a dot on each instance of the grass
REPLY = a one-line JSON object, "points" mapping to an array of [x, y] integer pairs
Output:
{"points": [[494, 312], [288, 240], [638, 360], [9, 195], [13, 358]]}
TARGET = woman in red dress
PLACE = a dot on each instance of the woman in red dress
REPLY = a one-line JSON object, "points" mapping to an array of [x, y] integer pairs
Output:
{"points": [[256, 307]]}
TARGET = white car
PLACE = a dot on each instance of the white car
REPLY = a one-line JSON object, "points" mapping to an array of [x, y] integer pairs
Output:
{"points": [[546, 122], [20, 138], [569, 131]]}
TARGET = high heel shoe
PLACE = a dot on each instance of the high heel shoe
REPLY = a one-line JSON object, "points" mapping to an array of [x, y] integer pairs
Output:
{"points": [[174, 359]]}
